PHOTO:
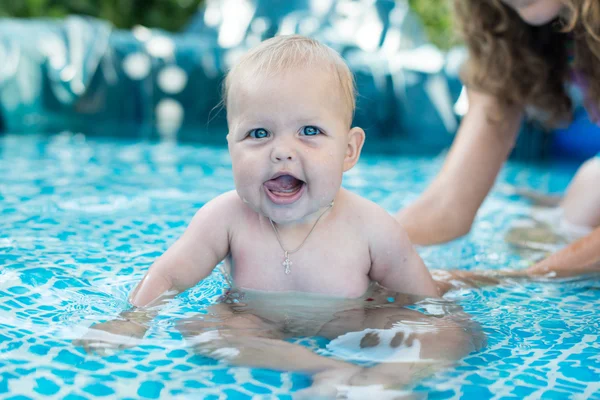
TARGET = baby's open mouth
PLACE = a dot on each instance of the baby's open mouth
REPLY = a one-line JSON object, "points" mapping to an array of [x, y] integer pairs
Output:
{"points": [[284, 189]]}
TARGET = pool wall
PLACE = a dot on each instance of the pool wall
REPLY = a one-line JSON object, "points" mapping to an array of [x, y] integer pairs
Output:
{"points": [[82, 75]]}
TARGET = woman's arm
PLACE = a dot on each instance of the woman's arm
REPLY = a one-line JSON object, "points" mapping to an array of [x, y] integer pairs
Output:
{"points": [[485, 139]]}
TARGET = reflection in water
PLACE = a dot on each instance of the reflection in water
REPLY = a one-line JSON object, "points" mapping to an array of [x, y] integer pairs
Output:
{"points": [[545, 229], [374, 339]]}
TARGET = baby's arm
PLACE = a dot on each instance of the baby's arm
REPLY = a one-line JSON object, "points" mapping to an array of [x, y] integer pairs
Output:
{"points": [[190, 259], [395, 263], [194, 255]]}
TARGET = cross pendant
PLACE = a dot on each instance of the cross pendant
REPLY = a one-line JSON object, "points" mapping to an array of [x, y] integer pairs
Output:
{"points": [[287, 263]]}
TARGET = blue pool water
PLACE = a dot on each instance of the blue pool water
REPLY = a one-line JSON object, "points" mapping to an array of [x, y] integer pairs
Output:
{"points": [[82, 219]]}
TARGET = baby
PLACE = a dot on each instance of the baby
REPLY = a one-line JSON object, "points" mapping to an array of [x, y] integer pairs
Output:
{"points": [[290, 227]]}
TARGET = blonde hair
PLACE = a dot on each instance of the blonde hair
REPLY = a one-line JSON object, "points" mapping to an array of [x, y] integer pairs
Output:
{"points": [[286, 52]]}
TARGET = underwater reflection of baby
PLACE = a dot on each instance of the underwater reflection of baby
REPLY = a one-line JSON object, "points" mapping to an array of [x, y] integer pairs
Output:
{"points": [[289, 227], [374, 339]]}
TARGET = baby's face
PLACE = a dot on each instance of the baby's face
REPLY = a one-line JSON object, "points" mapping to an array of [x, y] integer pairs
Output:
{"points": [[288, 140], [537, 12]]}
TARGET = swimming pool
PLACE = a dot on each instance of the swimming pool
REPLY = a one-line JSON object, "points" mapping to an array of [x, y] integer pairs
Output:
{"points": [[82, 219]]}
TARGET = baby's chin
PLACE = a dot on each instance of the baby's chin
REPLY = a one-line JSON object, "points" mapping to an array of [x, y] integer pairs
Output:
{"points": [[298, 212], [276, 213], [285, 215]]}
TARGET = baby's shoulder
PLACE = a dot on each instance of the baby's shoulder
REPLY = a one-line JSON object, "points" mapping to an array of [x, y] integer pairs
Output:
{"points": [[230, 200], [227, 207], [365, 208], [370, 216]]}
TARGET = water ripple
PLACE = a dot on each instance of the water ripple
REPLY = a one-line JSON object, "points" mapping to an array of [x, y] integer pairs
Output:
{"points": [[81, 220]]}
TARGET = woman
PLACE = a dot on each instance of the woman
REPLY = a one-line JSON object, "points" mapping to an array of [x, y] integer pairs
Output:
{"points": [[521, 54]]}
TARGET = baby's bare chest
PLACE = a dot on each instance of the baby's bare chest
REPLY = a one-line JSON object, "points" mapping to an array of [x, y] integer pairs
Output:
{"points": [[331, 261]]}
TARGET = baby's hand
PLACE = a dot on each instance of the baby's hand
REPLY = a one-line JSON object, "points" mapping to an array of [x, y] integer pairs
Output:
{"points": [[115, 334]]}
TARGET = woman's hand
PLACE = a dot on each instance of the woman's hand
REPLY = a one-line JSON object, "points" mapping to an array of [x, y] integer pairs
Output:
{"points": [[579, 258]]}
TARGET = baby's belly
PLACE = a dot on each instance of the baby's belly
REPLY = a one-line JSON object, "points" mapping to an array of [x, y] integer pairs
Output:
{"points": [[294, 313], [341, 290], [306, 314], [346, 285]]}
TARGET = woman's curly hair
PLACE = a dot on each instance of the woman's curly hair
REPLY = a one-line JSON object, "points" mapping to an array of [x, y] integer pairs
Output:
{"points": [[528, 65]]}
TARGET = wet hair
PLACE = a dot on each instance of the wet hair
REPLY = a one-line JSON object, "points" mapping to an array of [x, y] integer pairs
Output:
{"points": [[526, 65], [288, 52]]}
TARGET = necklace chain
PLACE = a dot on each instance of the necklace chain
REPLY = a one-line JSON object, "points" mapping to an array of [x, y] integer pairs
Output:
{"points": [[287, 263]]}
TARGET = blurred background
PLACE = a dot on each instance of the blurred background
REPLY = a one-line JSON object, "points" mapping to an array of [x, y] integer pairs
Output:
{"points": [[173, 15], [153, 68]]}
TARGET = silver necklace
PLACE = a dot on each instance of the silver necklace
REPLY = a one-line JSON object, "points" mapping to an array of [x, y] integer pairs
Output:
{"points": [[287, 263]]}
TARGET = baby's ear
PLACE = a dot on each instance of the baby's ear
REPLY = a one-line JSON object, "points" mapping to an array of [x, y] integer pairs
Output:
{"points": [[356, 139]]}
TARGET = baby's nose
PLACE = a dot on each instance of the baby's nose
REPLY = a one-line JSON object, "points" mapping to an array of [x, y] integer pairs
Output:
{"points": [[283, 157], [282, 153]]}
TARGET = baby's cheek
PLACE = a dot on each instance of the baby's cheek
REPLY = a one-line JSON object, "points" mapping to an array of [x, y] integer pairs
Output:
{"points": [[243, 178], [332, 181], [244, 167]]}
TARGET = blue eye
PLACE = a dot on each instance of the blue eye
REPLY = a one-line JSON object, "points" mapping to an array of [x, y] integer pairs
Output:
{"points": [[310, 131], [259, 133]]}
